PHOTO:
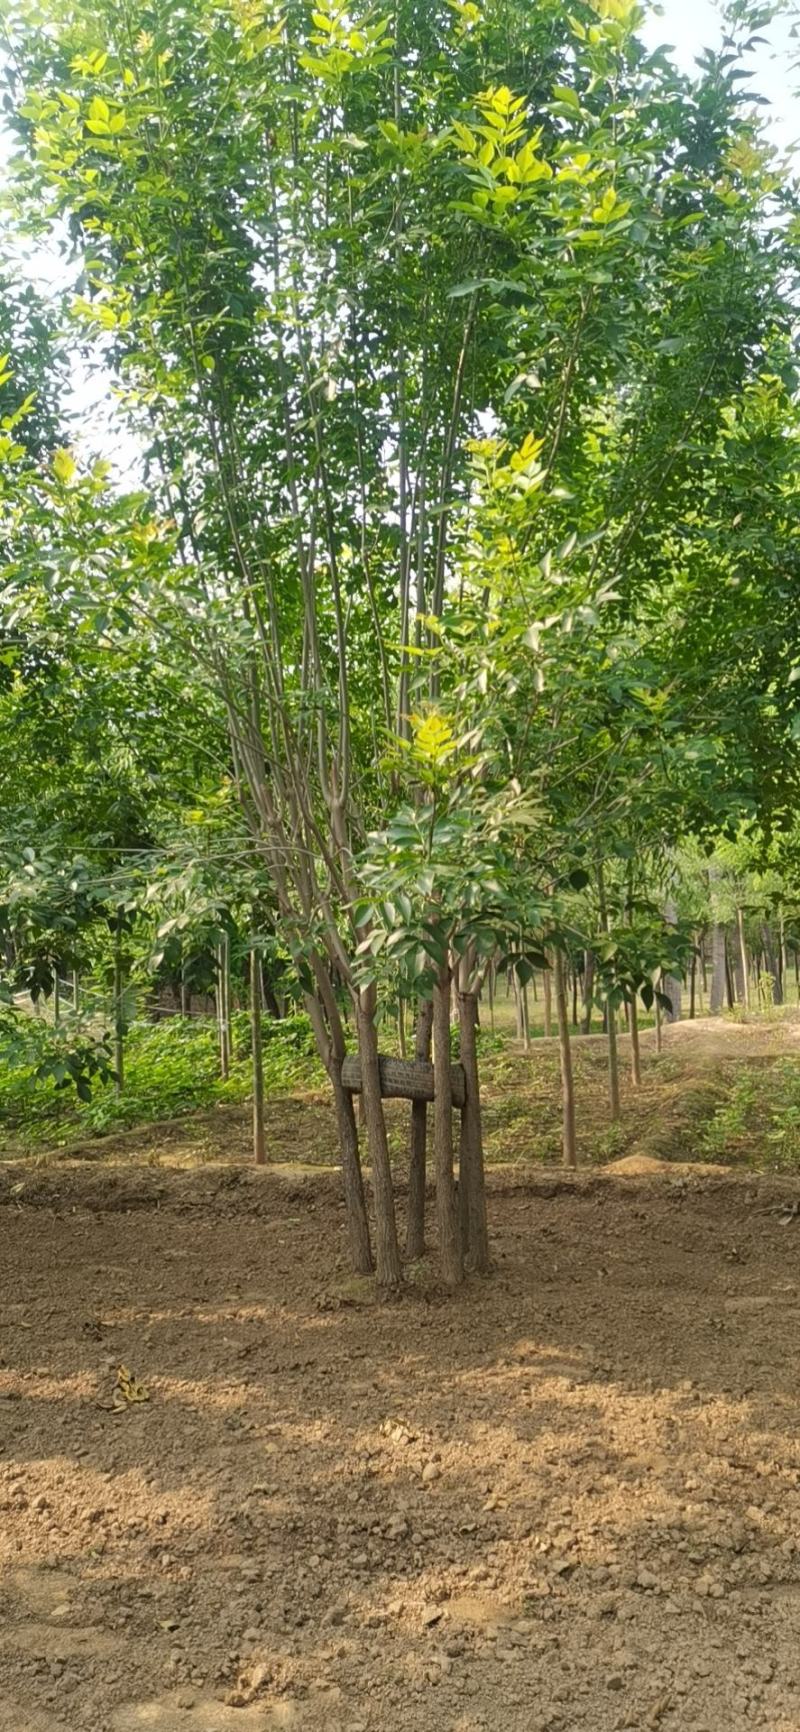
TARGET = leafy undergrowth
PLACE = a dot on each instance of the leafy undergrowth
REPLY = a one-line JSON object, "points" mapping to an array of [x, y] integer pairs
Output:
{"points": [[758, 1121], [171, 1069], [696, 1103]]}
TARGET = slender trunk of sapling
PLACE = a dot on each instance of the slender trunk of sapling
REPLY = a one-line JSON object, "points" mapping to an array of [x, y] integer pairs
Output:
{"points": [[471, 1179], [588, 992], [611, 1019], [548, 1003], [119, 1020], [744, 963], [259, 1144], [415, 1223], [569, 1143], [446, 1210], [636, 1057], [388, 1267]]}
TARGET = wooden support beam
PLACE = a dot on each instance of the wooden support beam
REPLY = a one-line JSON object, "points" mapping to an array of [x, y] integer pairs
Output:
{"points": [[403, 1079]]}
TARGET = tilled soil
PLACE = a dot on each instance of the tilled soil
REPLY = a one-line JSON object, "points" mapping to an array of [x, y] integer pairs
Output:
{"points": [[567, 1498]]}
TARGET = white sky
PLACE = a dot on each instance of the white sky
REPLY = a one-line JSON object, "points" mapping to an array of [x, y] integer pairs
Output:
{"points": [[687, 26]]}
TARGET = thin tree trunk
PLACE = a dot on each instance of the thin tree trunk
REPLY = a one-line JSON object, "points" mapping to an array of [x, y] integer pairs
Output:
{"points": [[718, 969], [729, 983], [518, 1005], [611, 1020], [569, 1144], [471, 1182], [401, 1027], [259, 1145], [446, 1210], [636, 1057], [575, 996], [588, 991], [490, 989], [76, 992], [352, 1178], [548, 1005], [184, 993], [56, 999], [692, 986], [387, 1251], [415, 1223], [659, 1026], [119, 1022], [744, 976], [222, 1008], [771, 963], [526, 1017], [782, 958]]}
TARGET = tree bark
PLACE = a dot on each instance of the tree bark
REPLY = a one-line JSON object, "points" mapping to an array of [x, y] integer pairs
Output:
{"points": [[548, 1004], [56, 999], [471, 1181], [388, 1268], [119, 1021], [771, 963], [693, 986], [222, 1009], [259, 1145], [446, 1211], [611, 1019], [415, 1223], [326, 1022], [743, 960], [588, 991], [636, 1057], [565, 1055], [717, 996]]}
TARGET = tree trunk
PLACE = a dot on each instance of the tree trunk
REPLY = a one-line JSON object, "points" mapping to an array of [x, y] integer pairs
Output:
{"points": [[636, 1057], [471, 1183], [659, 1026], [401, 1028], [446, 1211], [548, 1004], [352, 1178], [259, 1145], [782, 959], [490, 989], [387, 1251], [611, 1020], [565, 1055], [119, 1021], [415, 1223], [693, 986], [743, 960], [518, 1005], [526, 1018], [76, 993], [717, 997], [184, 993], [56, 999], [222, 1009], [575, 997], [771, 963], [588, 991], [326, 1021], [729, 982]]}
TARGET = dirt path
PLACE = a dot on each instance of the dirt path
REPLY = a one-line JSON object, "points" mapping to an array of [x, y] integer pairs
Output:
{"points": [[569, 1499]]}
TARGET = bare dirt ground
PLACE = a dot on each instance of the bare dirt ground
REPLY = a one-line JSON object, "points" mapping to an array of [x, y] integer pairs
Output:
{"points": [[568, 1498]]}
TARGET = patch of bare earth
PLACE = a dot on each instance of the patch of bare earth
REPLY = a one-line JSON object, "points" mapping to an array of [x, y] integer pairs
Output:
{"points": [[568, 1498]]}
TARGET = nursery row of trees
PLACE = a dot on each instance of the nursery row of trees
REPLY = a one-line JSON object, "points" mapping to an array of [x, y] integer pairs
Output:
{"points": [[450, 625]]}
